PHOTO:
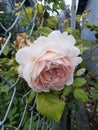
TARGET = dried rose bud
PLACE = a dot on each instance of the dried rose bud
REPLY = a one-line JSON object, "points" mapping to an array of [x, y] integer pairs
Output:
{"points": [[21, 41], [86, 12], [63, 98], [87, 21], [2, 40], [66, 21], [17, 4], [38, 20]]}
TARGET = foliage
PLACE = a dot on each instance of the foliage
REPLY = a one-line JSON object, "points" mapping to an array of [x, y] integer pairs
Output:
{"points": [[80, 95], [56, 5], [52, 104], [26, 15], [51, 22], [43, 31]]}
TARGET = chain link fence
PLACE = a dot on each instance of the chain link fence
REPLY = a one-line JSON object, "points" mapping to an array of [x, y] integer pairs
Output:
{"points": [[26, 117], [29, 115]]}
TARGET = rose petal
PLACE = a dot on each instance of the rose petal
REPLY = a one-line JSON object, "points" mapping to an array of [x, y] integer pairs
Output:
{"points": [[50, 55], [38, 67], [69, 40], [27, 75], [76, 61], [24, 55], [49, 63], [20, 70], [70, 80], [27, 71], [61, 38]]}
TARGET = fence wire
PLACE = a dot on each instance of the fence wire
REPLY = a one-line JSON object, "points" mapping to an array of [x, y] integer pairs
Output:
{"points": [[30, 119], [29, 114]]}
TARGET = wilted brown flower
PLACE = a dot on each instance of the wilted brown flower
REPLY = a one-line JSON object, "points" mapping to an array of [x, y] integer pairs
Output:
{"points": [[87, 21], [21, 41], [86, 12], [2, 40], [66, 21], [17, 4]]}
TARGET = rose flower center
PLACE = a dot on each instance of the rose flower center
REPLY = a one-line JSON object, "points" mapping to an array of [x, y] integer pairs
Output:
{"points": [[53, 74]]}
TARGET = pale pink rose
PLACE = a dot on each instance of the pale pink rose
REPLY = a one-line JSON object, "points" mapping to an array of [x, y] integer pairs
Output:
{"points": [[49, 63]]}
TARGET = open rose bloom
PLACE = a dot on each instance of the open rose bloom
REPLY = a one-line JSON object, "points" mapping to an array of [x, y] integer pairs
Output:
{"points": [[49, 63]]}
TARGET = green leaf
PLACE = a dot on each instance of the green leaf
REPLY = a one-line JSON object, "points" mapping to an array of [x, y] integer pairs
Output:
{"points": [[27, 15], [31, 97], [80, 71], [97, 65], [4, 89], [43, 30], [95, 58], [73, 105], [61, 5], [67, 90], [78, 18], [51, 22], [80, 95], [78, 82], [95, 94], [40, 8], [50, 106], [94, 84], [6, 51]]}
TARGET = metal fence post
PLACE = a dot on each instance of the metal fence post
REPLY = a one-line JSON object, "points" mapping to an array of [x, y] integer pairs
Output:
{"points": [[73, 14]]}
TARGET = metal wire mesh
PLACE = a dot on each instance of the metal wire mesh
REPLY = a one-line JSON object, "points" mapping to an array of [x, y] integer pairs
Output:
{"points": [[29, 115], [27, 118], [35, 120]]}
